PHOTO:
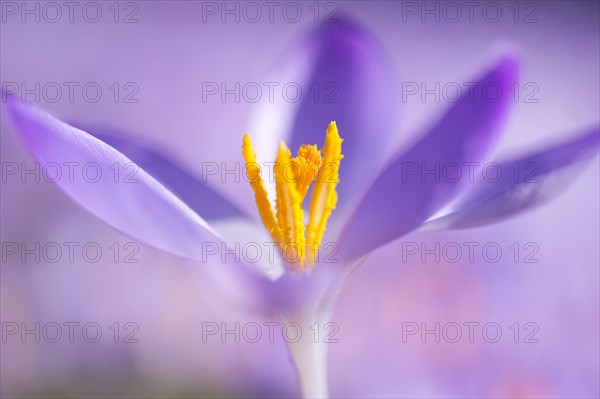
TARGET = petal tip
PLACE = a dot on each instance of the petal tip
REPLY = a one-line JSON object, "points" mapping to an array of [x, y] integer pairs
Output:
{"points": [[507, 62], [591, 140], [344, 31]]}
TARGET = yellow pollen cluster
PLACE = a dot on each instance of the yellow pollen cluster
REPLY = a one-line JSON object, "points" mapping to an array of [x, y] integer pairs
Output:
{"points": [[293, 176]]}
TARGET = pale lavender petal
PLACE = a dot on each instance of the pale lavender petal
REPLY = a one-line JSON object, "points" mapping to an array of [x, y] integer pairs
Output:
{"points": [[398, 201], [132, 201], [309, 292], [520, 184], [193, 191], [345, 76], [252, 242]]}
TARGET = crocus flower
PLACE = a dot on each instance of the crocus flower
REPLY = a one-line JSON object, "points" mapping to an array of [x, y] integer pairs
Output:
{"points": [[377, 200]]}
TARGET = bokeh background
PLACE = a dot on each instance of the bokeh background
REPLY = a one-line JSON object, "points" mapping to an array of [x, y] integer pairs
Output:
{"points": [[168, 50]]}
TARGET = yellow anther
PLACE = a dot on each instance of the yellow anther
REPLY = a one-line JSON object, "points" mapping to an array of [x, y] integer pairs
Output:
{"points": [[324, 196], [265, 209], [290, 215], [293, 177], [307, 165]]}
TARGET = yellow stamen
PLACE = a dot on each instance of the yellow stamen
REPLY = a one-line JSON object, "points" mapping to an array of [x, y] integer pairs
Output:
{"points": [[265, 209], [293, 177], [307, 167], [290, 215], [324, 196]]}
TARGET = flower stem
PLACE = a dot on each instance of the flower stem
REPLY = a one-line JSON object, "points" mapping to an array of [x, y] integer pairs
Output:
{"points": [[310, 359], [308, 351]]}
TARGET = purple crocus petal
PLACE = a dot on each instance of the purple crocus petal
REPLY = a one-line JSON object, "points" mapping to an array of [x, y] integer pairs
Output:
{"points": [[521, 184], [399, 201], [136, 203], [345, 76], [253, 244], [194, 192], [310, 292]]}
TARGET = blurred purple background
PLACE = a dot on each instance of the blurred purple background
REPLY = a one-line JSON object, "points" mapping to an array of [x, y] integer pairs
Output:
{"points": [[167, 54]]}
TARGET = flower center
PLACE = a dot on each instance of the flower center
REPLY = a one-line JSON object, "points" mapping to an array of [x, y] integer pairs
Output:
{"points": [[293, 176]]}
